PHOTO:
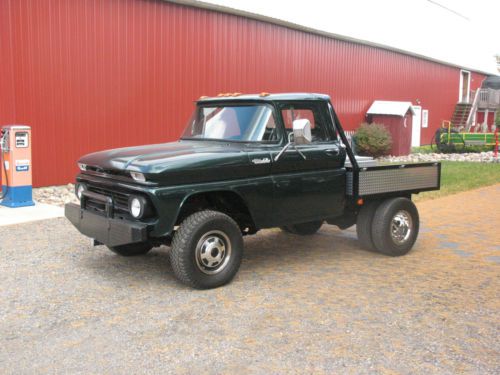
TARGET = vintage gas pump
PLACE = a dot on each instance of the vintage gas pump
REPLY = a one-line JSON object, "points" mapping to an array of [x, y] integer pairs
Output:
{"points": [[16, 166]]}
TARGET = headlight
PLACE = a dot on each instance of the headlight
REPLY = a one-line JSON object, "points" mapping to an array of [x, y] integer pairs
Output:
{"points": [[138, 176], [83, 167], [138, 206], [79, 189]]}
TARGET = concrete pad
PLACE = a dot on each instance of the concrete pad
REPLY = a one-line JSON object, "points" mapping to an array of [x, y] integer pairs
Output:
{"points": [[40, 211]]}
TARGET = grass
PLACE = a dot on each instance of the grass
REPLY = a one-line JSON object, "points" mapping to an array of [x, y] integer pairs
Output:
{"points": [[422, 150], [462, 176]]}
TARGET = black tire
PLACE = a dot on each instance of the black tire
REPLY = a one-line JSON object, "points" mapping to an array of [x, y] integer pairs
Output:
{"points": [[131, 249], [445, 147], [395, 211], [303, 229], [191, 244], [364, 225]]}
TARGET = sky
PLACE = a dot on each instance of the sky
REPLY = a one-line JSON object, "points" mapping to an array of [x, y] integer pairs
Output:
{"points": [[466, 34]]}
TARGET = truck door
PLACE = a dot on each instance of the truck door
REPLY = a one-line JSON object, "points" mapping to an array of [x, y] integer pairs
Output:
{"points": [[312, 188]]}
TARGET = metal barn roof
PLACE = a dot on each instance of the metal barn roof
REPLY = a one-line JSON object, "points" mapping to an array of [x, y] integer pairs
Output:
{"points": [[291, 25], [381, 107]]}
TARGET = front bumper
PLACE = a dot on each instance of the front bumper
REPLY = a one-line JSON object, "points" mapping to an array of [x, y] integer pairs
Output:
{"points": [[108, 231]]}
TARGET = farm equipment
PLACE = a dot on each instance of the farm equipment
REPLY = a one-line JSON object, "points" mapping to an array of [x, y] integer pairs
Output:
{"points": [[449, 139]]}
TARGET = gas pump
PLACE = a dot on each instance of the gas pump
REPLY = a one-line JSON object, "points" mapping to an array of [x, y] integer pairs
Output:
{"points": [[15, 161]]}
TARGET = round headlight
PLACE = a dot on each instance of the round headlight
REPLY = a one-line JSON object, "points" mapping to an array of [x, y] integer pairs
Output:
{"points": [[138, 176], [79, 189], [136, 206]]}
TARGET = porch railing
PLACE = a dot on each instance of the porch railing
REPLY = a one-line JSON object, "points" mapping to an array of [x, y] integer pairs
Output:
{"points": [[488, 99]]}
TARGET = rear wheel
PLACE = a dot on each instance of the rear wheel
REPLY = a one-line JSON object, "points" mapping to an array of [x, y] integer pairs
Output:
{"points": [[132, 249], [364, 225], [206, 250], [395, 226], [303, 229]]}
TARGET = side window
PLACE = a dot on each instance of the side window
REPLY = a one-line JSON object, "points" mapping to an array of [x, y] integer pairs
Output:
{"points": [[318, 128], [270, 132]]}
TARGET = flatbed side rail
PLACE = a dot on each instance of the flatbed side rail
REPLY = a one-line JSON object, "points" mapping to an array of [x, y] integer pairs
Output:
{"points": [[393, 178]]}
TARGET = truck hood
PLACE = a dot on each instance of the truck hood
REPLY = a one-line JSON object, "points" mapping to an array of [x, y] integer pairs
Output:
{"points": [[180, 158]]}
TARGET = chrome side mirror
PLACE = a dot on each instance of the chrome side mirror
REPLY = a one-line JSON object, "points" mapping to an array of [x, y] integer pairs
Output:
{"points": [[301, 135], [301, 132]]}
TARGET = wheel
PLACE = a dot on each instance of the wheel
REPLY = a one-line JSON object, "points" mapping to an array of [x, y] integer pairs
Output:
{"points": [[442, 144], [303, 229], [395, 226], [206, 250], [131, 249], [364, 224]]}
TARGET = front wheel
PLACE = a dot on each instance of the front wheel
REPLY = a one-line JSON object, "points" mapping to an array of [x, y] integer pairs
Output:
{"points": [[206, 250], [395, 226], [131, 249]]}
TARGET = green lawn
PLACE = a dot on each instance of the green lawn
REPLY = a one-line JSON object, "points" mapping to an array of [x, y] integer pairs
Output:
{"points": [[462, 176]]}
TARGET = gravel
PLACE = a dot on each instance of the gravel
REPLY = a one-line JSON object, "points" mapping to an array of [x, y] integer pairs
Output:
{"points": [[316, 304], [477, 157], [55, 195]]}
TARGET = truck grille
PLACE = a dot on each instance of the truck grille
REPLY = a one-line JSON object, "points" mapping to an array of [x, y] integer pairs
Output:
{"points": [[120, 201]]}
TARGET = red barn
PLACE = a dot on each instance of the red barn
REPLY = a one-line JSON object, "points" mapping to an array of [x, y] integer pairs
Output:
{"points": [[90, 75]]}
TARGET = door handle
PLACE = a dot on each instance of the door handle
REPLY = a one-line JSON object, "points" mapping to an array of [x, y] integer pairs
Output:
{"points": [[332, 151]]}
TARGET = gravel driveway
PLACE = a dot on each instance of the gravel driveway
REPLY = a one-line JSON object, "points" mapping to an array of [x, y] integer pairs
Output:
{"points": [[315, 305]]}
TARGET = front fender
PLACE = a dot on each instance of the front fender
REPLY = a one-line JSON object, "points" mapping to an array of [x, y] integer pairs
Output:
{"points": [[256, 193]]}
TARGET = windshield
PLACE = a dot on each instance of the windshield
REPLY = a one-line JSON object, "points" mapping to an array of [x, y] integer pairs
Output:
{"points": [[245, 123]]}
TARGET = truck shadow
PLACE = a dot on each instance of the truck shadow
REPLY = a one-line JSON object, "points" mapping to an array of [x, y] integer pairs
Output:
{"points": [[276, 248], [268, 251]]}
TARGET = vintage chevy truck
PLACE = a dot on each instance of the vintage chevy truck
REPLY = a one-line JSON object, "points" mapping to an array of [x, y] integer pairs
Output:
{"points": [[244, 163]]}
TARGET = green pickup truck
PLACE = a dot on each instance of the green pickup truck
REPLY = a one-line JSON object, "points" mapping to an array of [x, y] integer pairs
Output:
{"points": [[244, 163]]}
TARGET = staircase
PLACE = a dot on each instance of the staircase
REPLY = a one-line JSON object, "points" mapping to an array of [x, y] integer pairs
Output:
{"points": [[461, 115]]}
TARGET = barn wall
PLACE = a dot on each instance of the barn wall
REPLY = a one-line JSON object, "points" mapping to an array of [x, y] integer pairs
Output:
{"points": [[90, 75]]}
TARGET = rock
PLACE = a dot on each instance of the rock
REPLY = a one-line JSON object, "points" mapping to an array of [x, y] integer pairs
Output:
{"points": [[483, 157]]}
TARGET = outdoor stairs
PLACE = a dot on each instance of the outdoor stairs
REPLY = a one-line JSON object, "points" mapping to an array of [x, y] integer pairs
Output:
{"points": [[461, 114]]}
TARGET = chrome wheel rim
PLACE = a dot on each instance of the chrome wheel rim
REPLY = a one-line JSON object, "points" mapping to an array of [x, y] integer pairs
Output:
{"points": [[213, 252], [401, 227]]}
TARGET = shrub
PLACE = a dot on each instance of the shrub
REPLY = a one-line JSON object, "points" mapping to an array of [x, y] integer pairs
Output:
{"points": [[373, 140]]}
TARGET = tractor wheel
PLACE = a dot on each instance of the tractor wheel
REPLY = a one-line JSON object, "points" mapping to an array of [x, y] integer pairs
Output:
{"points": [[442, 144]]}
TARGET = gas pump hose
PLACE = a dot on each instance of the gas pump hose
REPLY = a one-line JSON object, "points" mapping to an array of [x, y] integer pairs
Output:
{"points": [[4, 163]]}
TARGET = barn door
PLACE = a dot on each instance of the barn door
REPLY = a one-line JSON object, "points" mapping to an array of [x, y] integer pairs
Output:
{"points": [[464, 86], [416, 125]]}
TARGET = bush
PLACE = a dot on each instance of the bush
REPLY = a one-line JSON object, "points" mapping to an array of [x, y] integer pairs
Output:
{"points": [[373, 140]]}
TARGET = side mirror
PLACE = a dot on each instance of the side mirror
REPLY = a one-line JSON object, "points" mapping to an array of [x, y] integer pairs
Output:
{"points": [[301, 135], [301, 132]]}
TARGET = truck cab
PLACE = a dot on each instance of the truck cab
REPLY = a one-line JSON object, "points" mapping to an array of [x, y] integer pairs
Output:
{"points": [[243, 163]]}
